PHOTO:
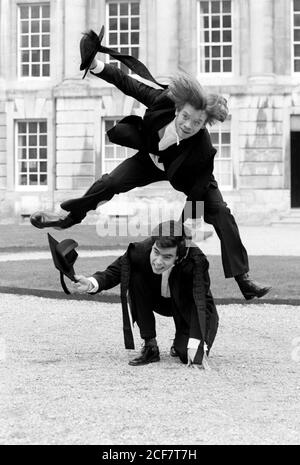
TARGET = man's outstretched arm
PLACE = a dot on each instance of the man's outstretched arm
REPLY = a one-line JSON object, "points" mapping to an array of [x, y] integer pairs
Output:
{"points": [[143, 93]]}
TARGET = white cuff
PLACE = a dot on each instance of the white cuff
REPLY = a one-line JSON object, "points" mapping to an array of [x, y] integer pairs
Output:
{"points": [[94, 284], [193, 343], [99, 68]]}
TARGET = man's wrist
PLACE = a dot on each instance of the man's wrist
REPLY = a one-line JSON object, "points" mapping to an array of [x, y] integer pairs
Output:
{"points": [[93, 285]]}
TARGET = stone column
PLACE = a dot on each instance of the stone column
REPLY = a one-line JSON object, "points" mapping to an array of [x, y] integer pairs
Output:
{"points": [[75, 24], [166, 37], [261, 40]]}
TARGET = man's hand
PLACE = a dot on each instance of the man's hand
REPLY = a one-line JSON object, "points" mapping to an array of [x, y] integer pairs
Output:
{"points": [[82, 285]]}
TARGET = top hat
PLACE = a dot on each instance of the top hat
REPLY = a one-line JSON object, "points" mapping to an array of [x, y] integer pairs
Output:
{"points": [[64, 257], [89, 46]]}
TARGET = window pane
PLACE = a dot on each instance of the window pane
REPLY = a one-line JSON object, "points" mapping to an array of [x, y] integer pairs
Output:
{"points": [[35, 41], [215, 21], [226, 6], [35, 26], [226, 36], [297, 66], [214, 137], [46, 55], [297, 35], [45, 40], [25, 57], [227, 66], [22, 141], [297, 19], [35, 70], [24, 12], [124, 9], [135, 8], [215, 36], [227, 51], [296, 5], [46, 11], [43, 167], [124, 24], [22, 128], [32, 141], [204, 7], [25, 70], [24, 41], [216, 51], [46, 70], [124, 38], [43, 140], [134, 38], [43, 154], [32, 127], [43, 179], [43, 127], [225, 137], [113, 24], [135, 23], [113, 9], [23, 180], [46, 26], [113, 38], [33, 179], [33, 154], [215, 7], [297, 50], [25, 27], [226, 21], [35, 56], [35, 11]]}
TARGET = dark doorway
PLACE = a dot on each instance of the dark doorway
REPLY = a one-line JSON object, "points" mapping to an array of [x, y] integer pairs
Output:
{"points": [[295, 169]]}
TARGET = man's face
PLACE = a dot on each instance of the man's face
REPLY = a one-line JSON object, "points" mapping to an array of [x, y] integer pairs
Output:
{"points": [[189, 121], [161, 258]]}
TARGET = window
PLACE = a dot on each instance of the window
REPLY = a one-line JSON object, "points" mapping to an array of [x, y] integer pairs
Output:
{"points": [[296, 36], [124, 29], [215, 36], [220, 136], [31, 149], [34, 40], [113, 154]]}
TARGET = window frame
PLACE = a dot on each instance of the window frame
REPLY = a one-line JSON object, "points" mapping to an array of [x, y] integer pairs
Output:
{"points": [[224, 129], [293, 72], [29, 188], [19, 48], [127, 150], [118, 46], [217, 74]]}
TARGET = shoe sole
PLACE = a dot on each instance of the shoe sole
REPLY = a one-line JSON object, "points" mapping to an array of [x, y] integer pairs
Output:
{"points": [[144, 363]]}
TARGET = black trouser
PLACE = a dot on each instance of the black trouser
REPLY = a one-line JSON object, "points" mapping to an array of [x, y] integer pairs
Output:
{"points": [[146, 300], [138, 171]]}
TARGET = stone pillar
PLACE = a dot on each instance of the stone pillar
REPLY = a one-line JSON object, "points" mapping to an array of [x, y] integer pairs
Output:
{"points": [[261, 40], [75, 24], [6, 62], [166, 37]]}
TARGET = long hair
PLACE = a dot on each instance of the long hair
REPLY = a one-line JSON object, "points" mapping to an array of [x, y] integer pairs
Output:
{"points": [[184, 88]]}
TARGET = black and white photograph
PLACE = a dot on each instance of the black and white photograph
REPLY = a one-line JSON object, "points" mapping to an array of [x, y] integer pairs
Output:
{"points": [[149, 225]]}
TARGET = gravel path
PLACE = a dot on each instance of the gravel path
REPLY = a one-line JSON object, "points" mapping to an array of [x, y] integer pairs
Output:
{"points": [[65, 378]]}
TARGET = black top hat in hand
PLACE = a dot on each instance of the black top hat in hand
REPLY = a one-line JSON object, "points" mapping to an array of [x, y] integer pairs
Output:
{"points": [[64, 257], [89, 46]]}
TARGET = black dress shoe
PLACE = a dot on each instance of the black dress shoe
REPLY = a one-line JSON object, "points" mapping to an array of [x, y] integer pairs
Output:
{"points": [[173, 352], [149, 354], [249, 288], [43, 220]]}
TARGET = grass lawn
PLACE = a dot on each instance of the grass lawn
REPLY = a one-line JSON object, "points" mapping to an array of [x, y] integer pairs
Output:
{"points": [[280, 272]]}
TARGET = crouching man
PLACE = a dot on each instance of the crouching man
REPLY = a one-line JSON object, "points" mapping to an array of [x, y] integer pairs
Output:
{"points": [[165, 274]]}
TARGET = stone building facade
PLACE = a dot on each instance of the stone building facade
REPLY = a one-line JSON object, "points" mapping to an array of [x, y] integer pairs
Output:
{"points": [[53, 123]]}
